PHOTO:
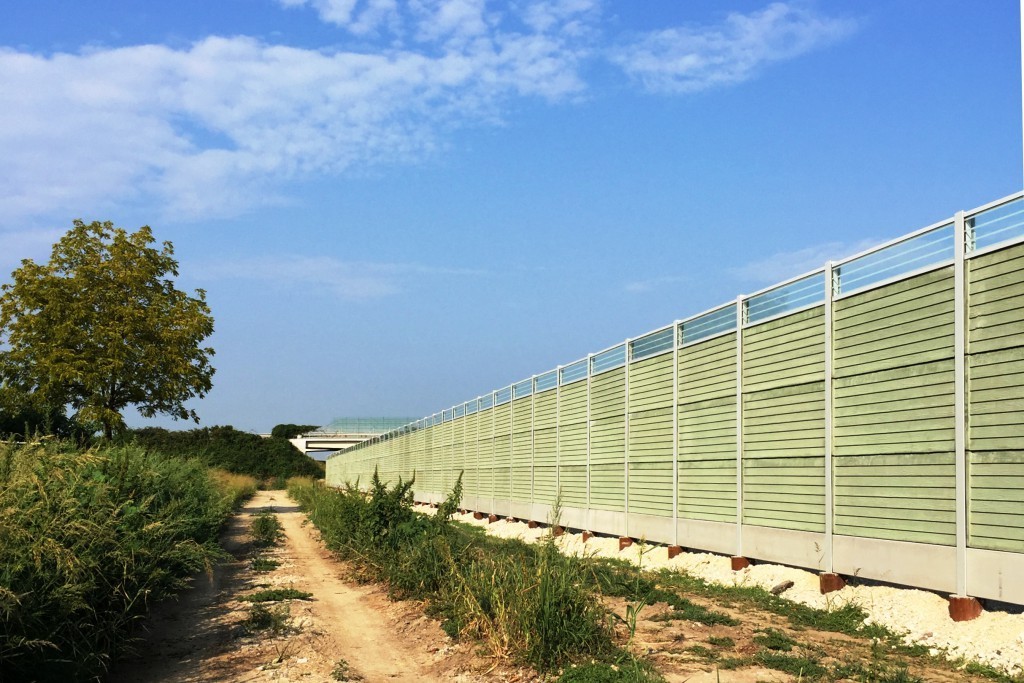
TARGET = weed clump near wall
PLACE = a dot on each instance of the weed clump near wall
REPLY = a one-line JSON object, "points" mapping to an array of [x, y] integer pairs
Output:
{"points": [[528, 603], [88, 540]]}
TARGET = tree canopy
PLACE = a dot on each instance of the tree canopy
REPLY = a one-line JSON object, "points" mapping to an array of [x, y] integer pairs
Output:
{"points": [[290, 431], [102, 327]]}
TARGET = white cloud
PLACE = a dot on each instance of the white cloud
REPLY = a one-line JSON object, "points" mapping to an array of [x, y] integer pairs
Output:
{"points": [[223, 125], [219, 126], [786, 264], [690, 59], [649, 285], [349, 280]]}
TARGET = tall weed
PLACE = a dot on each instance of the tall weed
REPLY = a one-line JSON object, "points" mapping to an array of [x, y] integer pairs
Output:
{"points": [[87, 541], [527, 603]]}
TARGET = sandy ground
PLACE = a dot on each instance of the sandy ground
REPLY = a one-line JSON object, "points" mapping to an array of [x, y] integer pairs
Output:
{"points": [[347, 631]]}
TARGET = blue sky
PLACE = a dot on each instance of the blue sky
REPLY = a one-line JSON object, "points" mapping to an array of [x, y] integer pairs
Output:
{"points": [[397, 205]]}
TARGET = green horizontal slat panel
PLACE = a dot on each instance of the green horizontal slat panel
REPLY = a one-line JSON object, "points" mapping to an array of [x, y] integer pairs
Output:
{"points": [[650, 460], [522, 457], [996, 487], [470, 481], [785, 351], [707, 490], [788, 421], [608, 441], [995, 314], [522, 410], [708, 369], [608, 394], [918, 491], [650, 383], [544, 488], [786, 493], [607, 487], [995, 319], [544, 444], [905, 323], [502, 419], [903, 410], [572, 444], [572, 485], [707, 430], [544, 410], [572, 403]]}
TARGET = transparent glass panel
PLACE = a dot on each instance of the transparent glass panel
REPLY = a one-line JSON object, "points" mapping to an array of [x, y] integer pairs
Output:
{"points": [[612, 358], [471, 406], [446, 415], [711, 323], [998, 224], [549, 380], [460, 411], [502, 396], [524, 388], [804, 292], [652, 344], [486, 401], [934, 246], [575, 371]]}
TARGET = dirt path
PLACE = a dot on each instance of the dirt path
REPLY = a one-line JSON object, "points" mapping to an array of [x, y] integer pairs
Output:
{"points": [[346, 631]]}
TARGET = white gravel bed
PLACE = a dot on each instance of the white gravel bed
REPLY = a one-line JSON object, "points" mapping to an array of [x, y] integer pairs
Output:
{"points": [[994, 638]]}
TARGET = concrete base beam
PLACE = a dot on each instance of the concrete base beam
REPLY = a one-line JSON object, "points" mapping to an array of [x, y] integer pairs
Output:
{"points": [[739, 563], [964, 608], [829, 582]]}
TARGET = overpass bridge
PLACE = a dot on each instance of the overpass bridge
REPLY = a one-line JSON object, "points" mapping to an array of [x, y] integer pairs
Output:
{"points": [[345, 432]]}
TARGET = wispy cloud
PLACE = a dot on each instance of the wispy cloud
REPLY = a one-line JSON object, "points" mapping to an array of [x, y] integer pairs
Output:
{"points": [[219, 126], [786, 264], [689, 59], [223, 125], [649, 285], [349, 280]]}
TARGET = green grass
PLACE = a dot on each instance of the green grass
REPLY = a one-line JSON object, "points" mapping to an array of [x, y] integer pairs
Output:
{"points": [[722, 641], [88, 540], [265, 529], [263, 565], [530, 603], [277, 595], [276, 619]]}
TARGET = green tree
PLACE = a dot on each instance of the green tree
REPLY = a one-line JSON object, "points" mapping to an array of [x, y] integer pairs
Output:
{"points": [[290, 431], [102, 327]]}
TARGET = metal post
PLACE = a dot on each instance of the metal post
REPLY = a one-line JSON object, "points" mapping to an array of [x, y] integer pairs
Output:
{"points": [[625, 445], [675, 433], [558, 433], [739, 424], [959, 402], [590, 367], [829, 499], [533, 441]]}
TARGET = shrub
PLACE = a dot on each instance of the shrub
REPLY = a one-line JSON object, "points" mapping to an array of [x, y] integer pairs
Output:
{"points": [[87, 541]]}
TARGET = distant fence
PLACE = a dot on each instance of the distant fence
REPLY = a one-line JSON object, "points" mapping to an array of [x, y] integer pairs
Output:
{"points": [[866, 418]]}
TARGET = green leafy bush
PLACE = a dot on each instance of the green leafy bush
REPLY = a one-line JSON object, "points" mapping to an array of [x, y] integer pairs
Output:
{"points": [[230, 449]]}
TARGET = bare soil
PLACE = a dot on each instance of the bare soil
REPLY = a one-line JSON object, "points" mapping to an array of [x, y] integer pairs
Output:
{"points": [[346, 631]]}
